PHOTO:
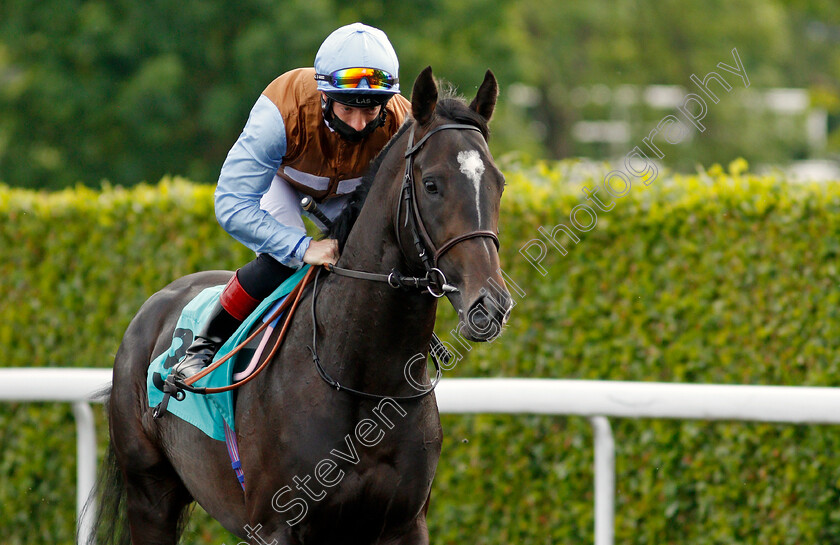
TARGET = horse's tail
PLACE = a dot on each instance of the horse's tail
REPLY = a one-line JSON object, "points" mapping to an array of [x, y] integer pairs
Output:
{"points": [[110, 524]]}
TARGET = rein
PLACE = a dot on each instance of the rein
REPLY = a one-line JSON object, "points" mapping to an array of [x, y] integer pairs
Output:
{"points": [[335, 384], [434, 281], [174, 387]]}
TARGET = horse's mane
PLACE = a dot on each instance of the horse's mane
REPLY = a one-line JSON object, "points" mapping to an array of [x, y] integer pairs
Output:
{"points": [[449, 106]]}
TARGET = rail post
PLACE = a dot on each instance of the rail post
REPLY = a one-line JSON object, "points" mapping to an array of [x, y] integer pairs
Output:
{"points": [[85, 469], [604, 481]]}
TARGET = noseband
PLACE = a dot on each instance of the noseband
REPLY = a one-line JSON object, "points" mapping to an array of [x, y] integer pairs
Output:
{"points": [[435, 280]]}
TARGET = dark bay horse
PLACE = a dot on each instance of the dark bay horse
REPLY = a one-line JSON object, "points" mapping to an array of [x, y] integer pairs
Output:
{"points": [[325, 466]]}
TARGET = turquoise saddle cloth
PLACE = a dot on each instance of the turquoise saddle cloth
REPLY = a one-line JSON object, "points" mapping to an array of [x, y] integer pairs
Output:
{"points": [[209, 413]]}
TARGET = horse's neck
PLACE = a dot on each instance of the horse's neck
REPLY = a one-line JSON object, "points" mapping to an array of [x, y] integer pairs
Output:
{"points": [[370, 322], [372, 243]]}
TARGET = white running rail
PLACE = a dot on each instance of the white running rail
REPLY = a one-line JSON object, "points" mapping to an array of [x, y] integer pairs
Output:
{"points": [[596, 400]]}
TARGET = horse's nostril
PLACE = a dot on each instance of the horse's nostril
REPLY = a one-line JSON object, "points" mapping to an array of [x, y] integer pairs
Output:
{"points": [[485, 319], [479, 318]]}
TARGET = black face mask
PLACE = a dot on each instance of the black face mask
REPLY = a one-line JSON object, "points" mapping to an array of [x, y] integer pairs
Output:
{"points": [[344, 130]]}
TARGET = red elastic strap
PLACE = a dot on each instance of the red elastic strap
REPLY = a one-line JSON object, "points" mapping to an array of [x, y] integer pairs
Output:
{"points": [[236, 301]]}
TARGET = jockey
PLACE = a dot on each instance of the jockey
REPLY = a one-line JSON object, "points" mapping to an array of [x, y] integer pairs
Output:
{"points": [[312, 131]]}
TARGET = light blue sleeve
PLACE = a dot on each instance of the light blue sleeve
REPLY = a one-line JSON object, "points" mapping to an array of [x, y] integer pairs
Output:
{"points": [[246, 175]]}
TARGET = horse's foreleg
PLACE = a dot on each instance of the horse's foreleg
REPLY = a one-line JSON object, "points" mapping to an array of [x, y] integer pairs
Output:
{"points": [[281, 536], [154, 504], [419, 534]]}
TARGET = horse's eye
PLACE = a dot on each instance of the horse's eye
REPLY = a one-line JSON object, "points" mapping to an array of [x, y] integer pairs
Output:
{"points": [[431, 187]]}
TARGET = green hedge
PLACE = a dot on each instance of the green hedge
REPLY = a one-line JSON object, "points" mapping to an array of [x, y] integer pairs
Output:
{"points": [[723, 277]]}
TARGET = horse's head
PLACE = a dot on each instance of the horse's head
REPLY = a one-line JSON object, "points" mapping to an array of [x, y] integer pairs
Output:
{"points": [[452, 194]]}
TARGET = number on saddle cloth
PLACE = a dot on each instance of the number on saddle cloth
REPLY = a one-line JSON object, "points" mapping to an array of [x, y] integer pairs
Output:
{"points": [[209, 412]]}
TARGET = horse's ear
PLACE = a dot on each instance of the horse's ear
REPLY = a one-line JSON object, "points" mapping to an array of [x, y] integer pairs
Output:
{"points": [[424, 97], [485, 100]]}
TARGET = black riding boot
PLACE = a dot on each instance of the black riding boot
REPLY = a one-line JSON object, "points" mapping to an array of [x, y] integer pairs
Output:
{"points": [[219, 327], [242, 294]]}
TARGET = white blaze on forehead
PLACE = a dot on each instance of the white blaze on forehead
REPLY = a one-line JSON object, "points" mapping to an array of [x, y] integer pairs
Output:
{"points": [[473, 167]]}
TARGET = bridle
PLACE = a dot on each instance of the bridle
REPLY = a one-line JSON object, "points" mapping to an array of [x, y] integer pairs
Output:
{"points": [[434, 281], [429, 254], [422, 241]]}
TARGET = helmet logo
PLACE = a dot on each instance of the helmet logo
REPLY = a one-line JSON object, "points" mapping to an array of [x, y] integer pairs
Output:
{"points": [[359, 100], [344, 130]]}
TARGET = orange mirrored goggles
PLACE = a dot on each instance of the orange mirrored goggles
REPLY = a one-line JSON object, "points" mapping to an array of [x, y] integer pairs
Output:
{"points": [[350, 78]]}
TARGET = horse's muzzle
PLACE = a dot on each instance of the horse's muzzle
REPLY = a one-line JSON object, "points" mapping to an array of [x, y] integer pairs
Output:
{"points": [[486, 317]]}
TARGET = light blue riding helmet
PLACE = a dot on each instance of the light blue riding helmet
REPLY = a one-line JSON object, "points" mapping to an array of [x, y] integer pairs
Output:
{"points": [[357, 46]]}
